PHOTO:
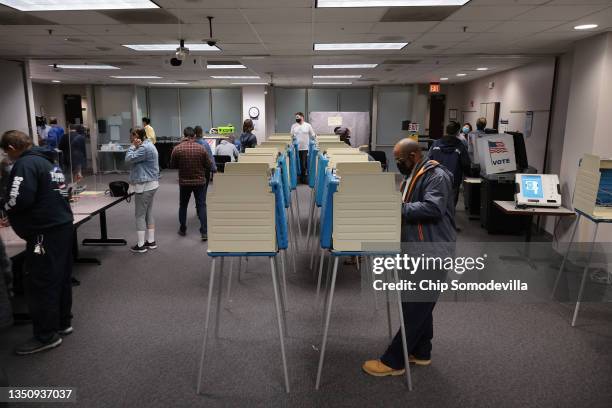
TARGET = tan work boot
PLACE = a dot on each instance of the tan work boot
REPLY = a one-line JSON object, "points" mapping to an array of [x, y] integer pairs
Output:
{"points": [[378, 369]]}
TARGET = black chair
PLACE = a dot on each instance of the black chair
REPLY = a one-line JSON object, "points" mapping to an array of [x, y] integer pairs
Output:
{"points": [[380, 156], [221, 160]]}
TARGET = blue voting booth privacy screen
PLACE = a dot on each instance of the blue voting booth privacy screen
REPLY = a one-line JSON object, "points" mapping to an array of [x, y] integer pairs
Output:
{"points": [[531, 187], [604, 194]]}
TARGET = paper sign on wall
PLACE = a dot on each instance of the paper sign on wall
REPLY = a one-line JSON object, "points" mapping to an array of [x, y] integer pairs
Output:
{"points": [[334, 121], [413, 127], [114, 133], [126, 115]]}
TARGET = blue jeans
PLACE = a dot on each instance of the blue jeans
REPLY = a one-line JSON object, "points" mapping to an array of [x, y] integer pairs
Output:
{"points": [[199, 193]]}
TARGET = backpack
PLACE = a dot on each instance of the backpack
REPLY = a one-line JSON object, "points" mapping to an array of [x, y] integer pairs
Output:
{"points": [[450, 157], [118, 188]]}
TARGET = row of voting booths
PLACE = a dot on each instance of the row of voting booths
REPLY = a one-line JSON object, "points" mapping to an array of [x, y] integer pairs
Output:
{"points": [[253, 210]]}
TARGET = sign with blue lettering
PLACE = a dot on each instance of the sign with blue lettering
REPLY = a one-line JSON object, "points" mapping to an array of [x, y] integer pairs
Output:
{"points": [[531, 187]]}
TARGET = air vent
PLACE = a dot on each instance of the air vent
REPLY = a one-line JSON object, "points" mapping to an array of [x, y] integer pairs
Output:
{"points": [[401, 62], [120, 63], [391, 38], [156, 16], [7, 18], [407, 14], [209, 62]]}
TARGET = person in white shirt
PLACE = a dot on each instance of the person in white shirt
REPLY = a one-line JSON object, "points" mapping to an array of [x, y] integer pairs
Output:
{"points": [[225, 148], [302, 132]]}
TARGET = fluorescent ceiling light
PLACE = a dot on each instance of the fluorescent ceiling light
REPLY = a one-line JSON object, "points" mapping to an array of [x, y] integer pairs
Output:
{"points": [[235, 76], [332, 83], [461, 75], [388, 3], [336, 76], [56, 81], [225, 66], [359, 46], [170, 47], [482, 69], [135, 77], [169, 83], [443, 79], [249, 83], [83, 66], [344, 66], [57, 5], [585, 26]]}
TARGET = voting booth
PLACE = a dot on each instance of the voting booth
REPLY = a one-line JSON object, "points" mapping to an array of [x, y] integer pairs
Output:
{"points": [[593, 193], [496, 154]]}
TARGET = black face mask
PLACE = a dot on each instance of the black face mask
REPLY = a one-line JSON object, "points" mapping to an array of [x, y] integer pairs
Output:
{"points": [[403, 168], [298, 120]]}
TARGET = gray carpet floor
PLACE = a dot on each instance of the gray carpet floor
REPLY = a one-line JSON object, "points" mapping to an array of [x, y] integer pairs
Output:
{"points": [[139, 323]]}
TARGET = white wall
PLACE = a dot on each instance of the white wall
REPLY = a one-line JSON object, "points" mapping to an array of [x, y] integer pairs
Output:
{"points": [[527, 88], [13, 103], [589, 118], [49, 100], [254, 96]]}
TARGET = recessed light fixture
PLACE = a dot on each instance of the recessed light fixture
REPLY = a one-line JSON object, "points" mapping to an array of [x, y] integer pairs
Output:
{"points": [[359, 46], [344, 66], [62, 5], [168, 83], [249, 83], [135, 77], [336, 76], [388, 3], [56, 81], [235, 77], [585, 26], [332, 83], [170, 47], [444, 79], [482, 69], [225, 66], [461, 75], [83, 66]]}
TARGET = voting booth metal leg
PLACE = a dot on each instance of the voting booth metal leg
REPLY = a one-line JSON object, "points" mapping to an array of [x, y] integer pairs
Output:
{"points": [[280, 324], [403, 332], [297, 207], [219, 293], [320, 276], [388, 301], [327, 318], [229, 280], [211, 281], [584, 275], [284, 280], [569, 247], [310, 217]]}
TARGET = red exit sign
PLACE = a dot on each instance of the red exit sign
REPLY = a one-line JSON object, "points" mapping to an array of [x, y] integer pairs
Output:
{"points": [[434, 87]]}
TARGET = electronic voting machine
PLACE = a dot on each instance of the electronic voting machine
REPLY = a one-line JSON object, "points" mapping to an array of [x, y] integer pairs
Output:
{"points": [[537, 190]]}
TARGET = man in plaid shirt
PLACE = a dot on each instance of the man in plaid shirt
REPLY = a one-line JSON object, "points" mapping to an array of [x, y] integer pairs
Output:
{"points": [[194, 165]]}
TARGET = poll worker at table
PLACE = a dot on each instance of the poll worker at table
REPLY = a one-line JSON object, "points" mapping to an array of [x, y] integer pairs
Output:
{"points": [[227, 148], [428, 215], [247, 138], [143, 160], [302, 132], [193, 163], [42, 217]]}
